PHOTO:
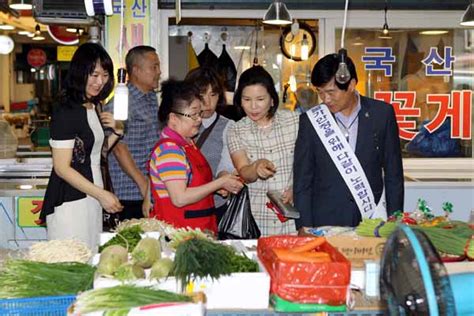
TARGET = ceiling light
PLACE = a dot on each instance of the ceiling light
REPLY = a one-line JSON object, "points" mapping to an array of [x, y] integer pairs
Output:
{"points": [[277, 14], [38, 38], [71, 29], [304, 48], [37, 29], [434, 32], [385, 37], [121, 96], [468, 17], [6, 27], [30, 34], [23, 32], [385, 25], [6, 45], [20, 5]]}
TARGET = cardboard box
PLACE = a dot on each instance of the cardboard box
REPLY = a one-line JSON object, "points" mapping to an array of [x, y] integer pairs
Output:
{"points": [[358, 249]]}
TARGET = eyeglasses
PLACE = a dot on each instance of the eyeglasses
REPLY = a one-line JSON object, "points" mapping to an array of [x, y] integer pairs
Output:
{"points": [[195, 116]]}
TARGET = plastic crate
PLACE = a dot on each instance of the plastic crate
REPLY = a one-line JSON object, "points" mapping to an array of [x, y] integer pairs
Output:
{"points": [[37, 306]]}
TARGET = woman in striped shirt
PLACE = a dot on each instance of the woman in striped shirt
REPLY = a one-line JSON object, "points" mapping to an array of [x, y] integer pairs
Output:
{"points": [[181, 179]]}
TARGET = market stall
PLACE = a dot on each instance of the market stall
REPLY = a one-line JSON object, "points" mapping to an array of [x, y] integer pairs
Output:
{"points": [[149, 263]]}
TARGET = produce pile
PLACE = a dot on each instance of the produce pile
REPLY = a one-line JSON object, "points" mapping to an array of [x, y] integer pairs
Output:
{"points": [[453, 239], [200, 258], [59, 251], [23, 278], [120, 299], [130, 257]]}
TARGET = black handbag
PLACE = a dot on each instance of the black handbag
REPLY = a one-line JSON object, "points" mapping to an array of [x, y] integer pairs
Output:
{"points": [[238, 221]]}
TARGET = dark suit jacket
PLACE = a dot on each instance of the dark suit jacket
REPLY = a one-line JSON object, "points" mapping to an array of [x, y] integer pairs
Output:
{"points": [[320, 193]]}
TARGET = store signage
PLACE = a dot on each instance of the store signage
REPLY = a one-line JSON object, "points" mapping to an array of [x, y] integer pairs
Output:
{"points": [[62, 36], [65, 53], [28, 209], [457, 105], [6, 45], [382, 58], [36, 57], [136, 29]]}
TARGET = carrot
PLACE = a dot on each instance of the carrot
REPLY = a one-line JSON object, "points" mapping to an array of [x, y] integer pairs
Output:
{"points": [[290, 256], [316, 242], [316, 254]]}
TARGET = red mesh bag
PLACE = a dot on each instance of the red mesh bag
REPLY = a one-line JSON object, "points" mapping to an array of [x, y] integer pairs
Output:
{"points": [[303, 282]]}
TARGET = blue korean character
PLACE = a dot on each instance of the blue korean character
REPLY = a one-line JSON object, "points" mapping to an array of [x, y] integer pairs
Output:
{"points": [[116, 6], [381, 59], [434, 57], [139, 8]]}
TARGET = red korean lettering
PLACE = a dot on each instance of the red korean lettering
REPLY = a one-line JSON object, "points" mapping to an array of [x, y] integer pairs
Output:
{"points": [[403, 103]]}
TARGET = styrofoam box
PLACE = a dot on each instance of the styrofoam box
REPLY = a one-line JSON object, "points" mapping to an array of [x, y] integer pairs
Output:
{"points": [[238, 290], [249, 290]]}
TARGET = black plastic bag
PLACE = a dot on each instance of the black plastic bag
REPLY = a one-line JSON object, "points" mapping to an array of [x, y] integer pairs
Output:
{"points": [[238, 221]]}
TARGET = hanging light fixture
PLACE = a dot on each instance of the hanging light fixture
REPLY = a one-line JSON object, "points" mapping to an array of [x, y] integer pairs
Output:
{"points": [[304, 48], [38, 36], [468, 17], [277, 14], [121, 89], [6, 27], [385, 25], [342, 74], [20, 5]]}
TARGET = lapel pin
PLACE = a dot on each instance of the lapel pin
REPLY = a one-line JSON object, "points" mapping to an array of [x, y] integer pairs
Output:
{"points": [[367, 114]]}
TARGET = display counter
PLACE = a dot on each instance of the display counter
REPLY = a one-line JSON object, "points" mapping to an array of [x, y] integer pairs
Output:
{"points": [[22, 187]]}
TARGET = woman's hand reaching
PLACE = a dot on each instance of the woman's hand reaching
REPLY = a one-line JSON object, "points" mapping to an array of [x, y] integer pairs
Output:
{"points": [[264, 168], [231, 183], [110, 203]]}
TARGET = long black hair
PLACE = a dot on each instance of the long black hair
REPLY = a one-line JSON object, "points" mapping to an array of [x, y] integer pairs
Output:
{"points": [[176, 96], [82, 65]]}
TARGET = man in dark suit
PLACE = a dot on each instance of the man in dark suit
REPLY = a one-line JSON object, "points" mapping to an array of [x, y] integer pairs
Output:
{"points": [[320, 193]]}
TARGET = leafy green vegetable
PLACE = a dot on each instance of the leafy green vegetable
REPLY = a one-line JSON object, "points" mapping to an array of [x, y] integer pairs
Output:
{"points": [[199, 258], [128, 238], [23, 278], [242, 263], [122, 297]]}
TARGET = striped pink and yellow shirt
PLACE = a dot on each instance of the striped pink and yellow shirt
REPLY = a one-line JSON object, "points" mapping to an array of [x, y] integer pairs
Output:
{"points": [[168, 163]]}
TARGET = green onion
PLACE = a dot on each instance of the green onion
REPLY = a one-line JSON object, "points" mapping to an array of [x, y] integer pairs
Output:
{"points": [[23, 278], [123, 297]]}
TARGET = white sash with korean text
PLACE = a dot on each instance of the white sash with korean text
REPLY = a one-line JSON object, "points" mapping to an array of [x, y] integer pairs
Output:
{"points": [[346, 162]]}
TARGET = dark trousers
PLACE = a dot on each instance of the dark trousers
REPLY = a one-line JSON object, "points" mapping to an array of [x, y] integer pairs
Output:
{"points": [[131, 209]]}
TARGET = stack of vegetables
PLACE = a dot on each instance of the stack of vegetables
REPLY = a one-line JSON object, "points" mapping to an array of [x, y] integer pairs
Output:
{"points": [[119, 300], [23, 278], [201, 257], [305, 270], [454, 240]]}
